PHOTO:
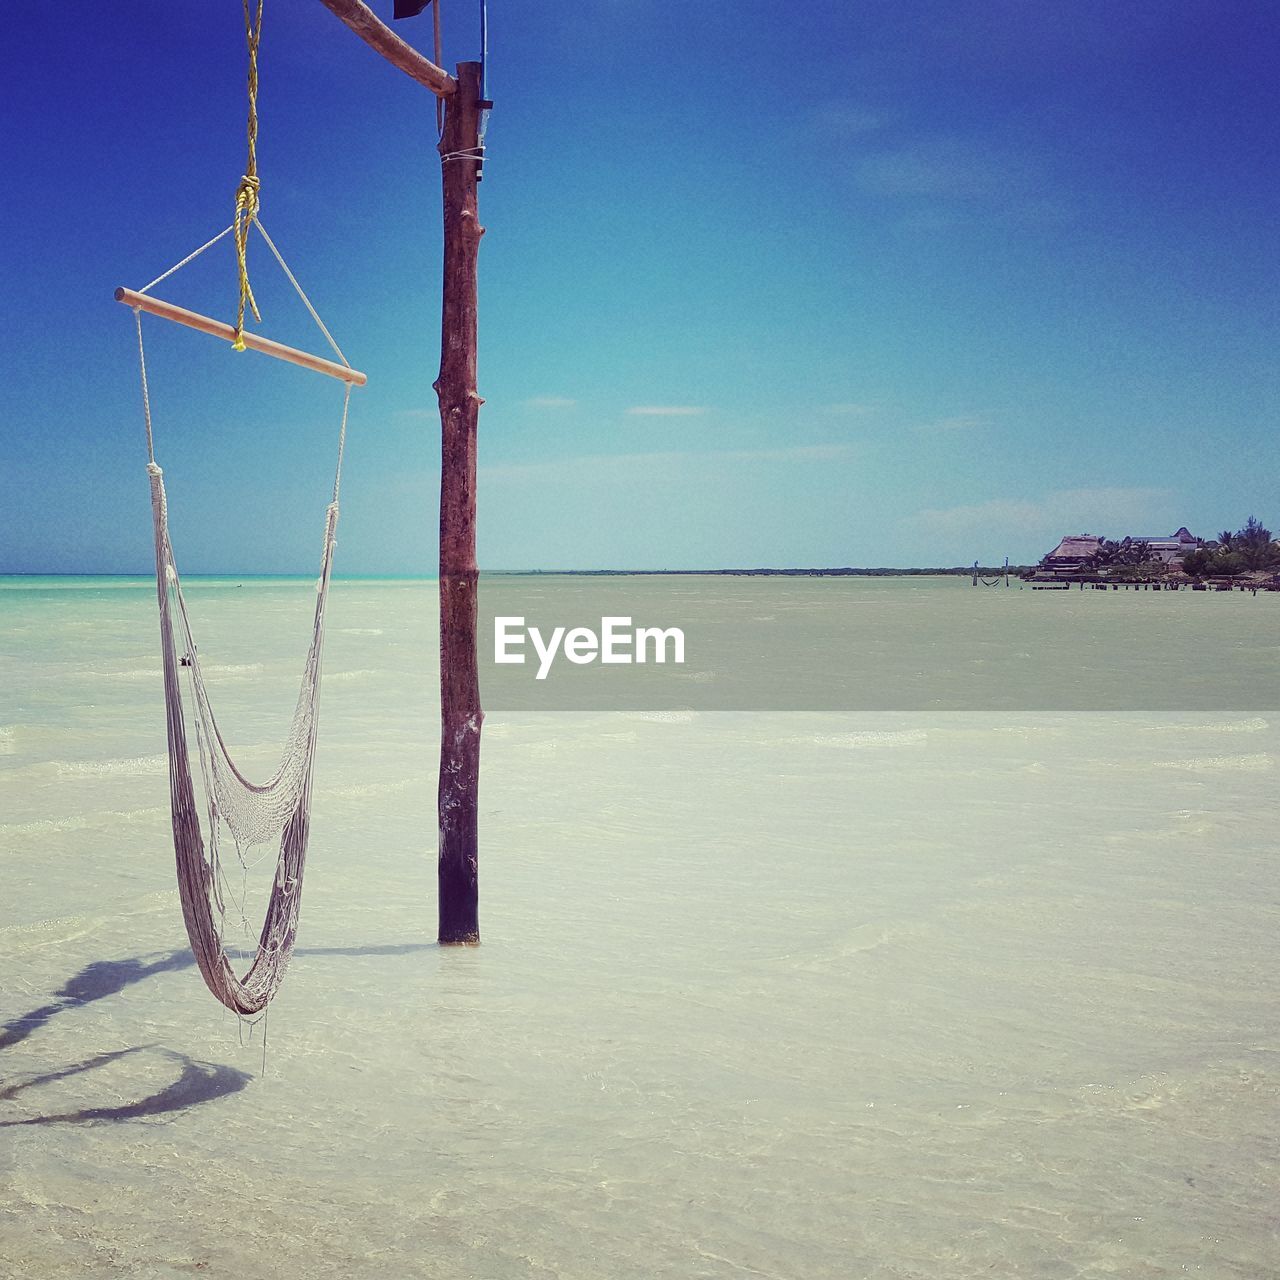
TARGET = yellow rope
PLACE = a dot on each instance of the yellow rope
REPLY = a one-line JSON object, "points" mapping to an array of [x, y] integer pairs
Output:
{"points": [[247, 192]]}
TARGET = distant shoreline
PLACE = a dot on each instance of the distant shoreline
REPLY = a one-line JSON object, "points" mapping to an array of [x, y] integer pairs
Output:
{"points": [[963, 571], [842, 572]]}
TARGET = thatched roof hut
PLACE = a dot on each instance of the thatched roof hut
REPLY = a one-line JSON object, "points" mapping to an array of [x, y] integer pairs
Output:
{"points": [[1073, 550]]}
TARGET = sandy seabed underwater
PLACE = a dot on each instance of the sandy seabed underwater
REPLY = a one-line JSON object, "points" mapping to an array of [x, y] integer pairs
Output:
{"points": [[883, 995]]}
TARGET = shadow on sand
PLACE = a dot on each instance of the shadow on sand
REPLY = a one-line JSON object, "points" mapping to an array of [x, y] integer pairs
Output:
{"points": [[198, 1082], [93, 982]]}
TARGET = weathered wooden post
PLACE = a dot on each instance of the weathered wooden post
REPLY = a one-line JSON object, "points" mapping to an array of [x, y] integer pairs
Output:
{"points": [[460, 713]]}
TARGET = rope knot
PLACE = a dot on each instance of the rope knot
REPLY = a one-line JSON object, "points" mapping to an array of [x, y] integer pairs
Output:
{"points": [[247, 192], [247, 204], [247, 201]]}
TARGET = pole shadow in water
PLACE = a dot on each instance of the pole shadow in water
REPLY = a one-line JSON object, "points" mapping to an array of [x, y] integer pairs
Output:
{"points": [[199, 1082]]}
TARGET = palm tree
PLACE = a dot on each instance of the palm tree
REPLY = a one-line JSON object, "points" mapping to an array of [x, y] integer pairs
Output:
{"points": [[1254, 543], [1108, 553], [1198, 563], [1250, 547]]}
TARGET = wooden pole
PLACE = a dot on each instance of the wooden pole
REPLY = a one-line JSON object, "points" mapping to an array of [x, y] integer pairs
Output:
{"points": [[460, 714], [379, 37], [227, 332]]}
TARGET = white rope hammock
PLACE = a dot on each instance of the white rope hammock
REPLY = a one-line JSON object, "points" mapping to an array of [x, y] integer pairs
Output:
{"points": [[253, 813]]}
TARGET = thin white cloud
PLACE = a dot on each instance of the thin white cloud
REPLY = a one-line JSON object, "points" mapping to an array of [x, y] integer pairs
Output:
{"points": [[665, 410], [848, 409], [960, 422], [848, 120], [789, 453], [955, 167], [550, 402], [1111, 511], [551, 467], [949, 181]]}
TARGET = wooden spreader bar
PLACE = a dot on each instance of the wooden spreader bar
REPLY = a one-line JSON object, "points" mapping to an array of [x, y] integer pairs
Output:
{"points": [[206, 324]]}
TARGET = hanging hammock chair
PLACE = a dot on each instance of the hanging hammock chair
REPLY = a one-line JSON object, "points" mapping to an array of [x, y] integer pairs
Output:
{"points": [[253, 813]]}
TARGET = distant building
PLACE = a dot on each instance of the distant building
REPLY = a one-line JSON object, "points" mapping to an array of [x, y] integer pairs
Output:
{"points": [[1171, 549], [1073, 551]]}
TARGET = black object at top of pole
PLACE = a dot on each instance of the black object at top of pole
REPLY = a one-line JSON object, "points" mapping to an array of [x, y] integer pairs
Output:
{"points": [[409, 8]]}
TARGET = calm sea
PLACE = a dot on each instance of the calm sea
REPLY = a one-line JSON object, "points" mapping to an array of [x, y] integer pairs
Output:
{"points": [[931, 989]]}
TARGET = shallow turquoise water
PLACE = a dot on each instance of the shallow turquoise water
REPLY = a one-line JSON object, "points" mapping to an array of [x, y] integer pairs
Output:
{"points": [[884, 994]]}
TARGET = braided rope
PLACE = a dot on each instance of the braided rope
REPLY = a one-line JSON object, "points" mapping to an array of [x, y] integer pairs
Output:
{"points": [[284, 266], [146, 392], [247, 201], [191, 257]]}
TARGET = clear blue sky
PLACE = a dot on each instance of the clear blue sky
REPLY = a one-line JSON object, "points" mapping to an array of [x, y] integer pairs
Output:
{"points": [[764, 284]]}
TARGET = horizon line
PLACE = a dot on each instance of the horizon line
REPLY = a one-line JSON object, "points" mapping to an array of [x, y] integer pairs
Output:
{"points": [[431, 577]]}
